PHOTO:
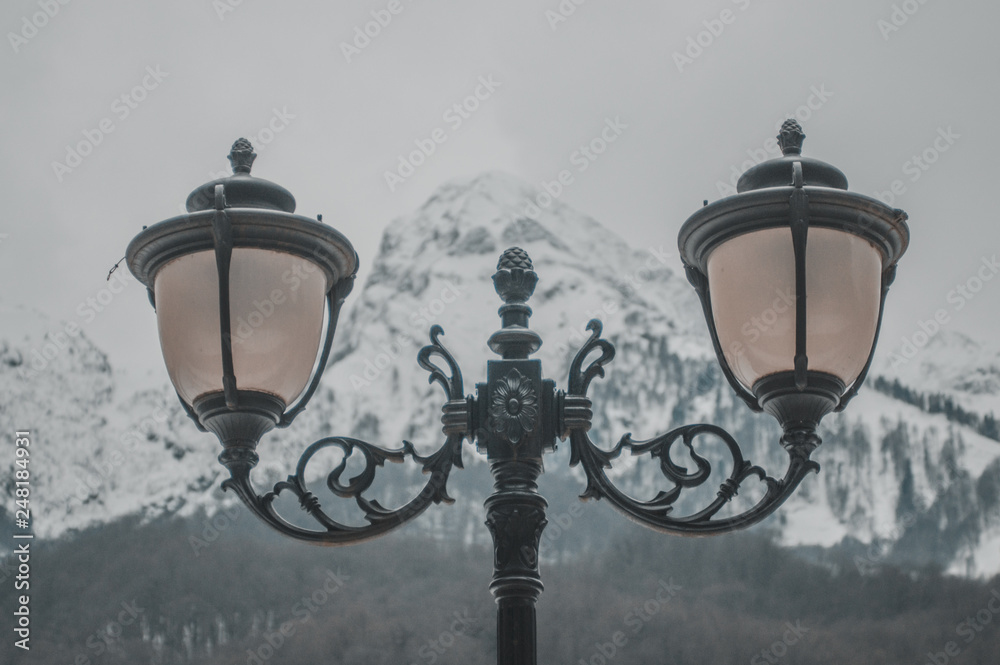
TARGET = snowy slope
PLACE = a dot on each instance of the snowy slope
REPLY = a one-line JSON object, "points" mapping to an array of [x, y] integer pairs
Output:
{"points": [[96, 454], [950, 363]]}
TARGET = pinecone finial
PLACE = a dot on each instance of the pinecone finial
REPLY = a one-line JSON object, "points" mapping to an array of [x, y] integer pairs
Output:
{"points": [[515, 257], [515, 278], [241, 156], [790, 137]]}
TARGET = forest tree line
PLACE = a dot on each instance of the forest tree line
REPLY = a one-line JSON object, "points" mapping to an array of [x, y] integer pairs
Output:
{"points": [[225, 591]]}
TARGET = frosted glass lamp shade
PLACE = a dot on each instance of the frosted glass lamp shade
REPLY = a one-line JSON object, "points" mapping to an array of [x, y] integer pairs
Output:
{"points": [[281, 278], [793, 272], [277, 305], [751, 281]]}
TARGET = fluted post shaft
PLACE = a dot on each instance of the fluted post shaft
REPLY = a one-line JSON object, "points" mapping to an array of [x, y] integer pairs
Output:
{"points": [[515, 515]]}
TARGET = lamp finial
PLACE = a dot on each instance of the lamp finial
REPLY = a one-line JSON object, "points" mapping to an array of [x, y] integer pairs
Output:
{"points": [[241, 156], [790, 137], [515, 257], [515, 279]]}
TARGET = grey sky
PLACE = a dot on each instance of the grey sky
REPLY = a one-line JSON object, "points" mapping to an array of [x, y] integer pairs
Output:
{"points": [[879, 98]]}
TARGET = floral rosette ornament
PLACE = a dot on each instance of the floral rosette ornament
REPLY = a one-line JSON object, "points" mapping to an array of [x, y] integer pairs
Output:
{"points": [[514, 406]]}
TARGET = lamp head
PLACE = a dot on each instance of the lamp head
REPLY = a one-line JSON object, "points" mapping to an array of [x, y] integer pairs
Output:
{"points": [[792, 272], [246, 295]]}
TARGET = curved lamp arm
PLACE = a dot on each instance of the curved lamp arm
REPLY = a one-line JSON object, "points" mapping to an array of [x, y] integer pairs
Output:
{"points": [[656, 513], [380, 519]]}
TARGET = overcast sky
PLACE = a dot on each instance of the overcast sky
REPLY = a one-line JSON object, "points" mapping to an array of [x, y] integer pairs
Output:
{"points": [[157, 93]]}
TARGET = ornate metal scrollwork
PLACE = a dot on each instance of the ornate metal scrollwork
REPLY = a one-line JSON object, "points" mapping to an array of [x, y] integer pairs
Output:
{"points": [[656, 512], [452, 385], [579, 378], [380, 519]]}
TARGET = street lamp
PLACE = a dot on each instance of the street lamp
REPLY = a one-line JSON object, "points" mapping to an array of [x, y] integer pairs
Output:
{"points": [[792, 229]]}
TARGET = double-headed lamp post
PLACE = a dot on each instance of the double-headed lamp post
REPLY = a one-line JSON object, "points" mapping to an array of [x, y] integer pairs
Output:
{"points": [[792, 227]]}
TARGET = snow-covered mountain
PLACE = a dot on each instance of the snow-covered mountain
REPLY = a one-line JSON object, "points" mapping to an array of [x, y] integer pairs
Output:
{"points": [[950, 363], [899, 480]]}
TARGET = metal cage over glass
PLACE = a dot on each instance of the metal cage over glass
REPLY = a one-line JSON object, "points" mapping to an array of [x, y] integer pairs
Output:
{"points": [[247, 296], [792, 272]]}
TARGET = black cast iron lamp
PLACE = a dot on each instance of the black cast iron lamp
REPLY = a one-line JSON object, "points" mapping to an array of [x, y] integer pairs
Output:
{"points": [[243, 289], [792, 272], [794, 316]]}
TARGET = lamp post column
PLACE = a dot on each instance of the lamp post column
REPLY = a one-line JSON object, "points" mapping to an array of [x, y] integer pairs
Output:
{"points": [[515, 417], [515, 515]]}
